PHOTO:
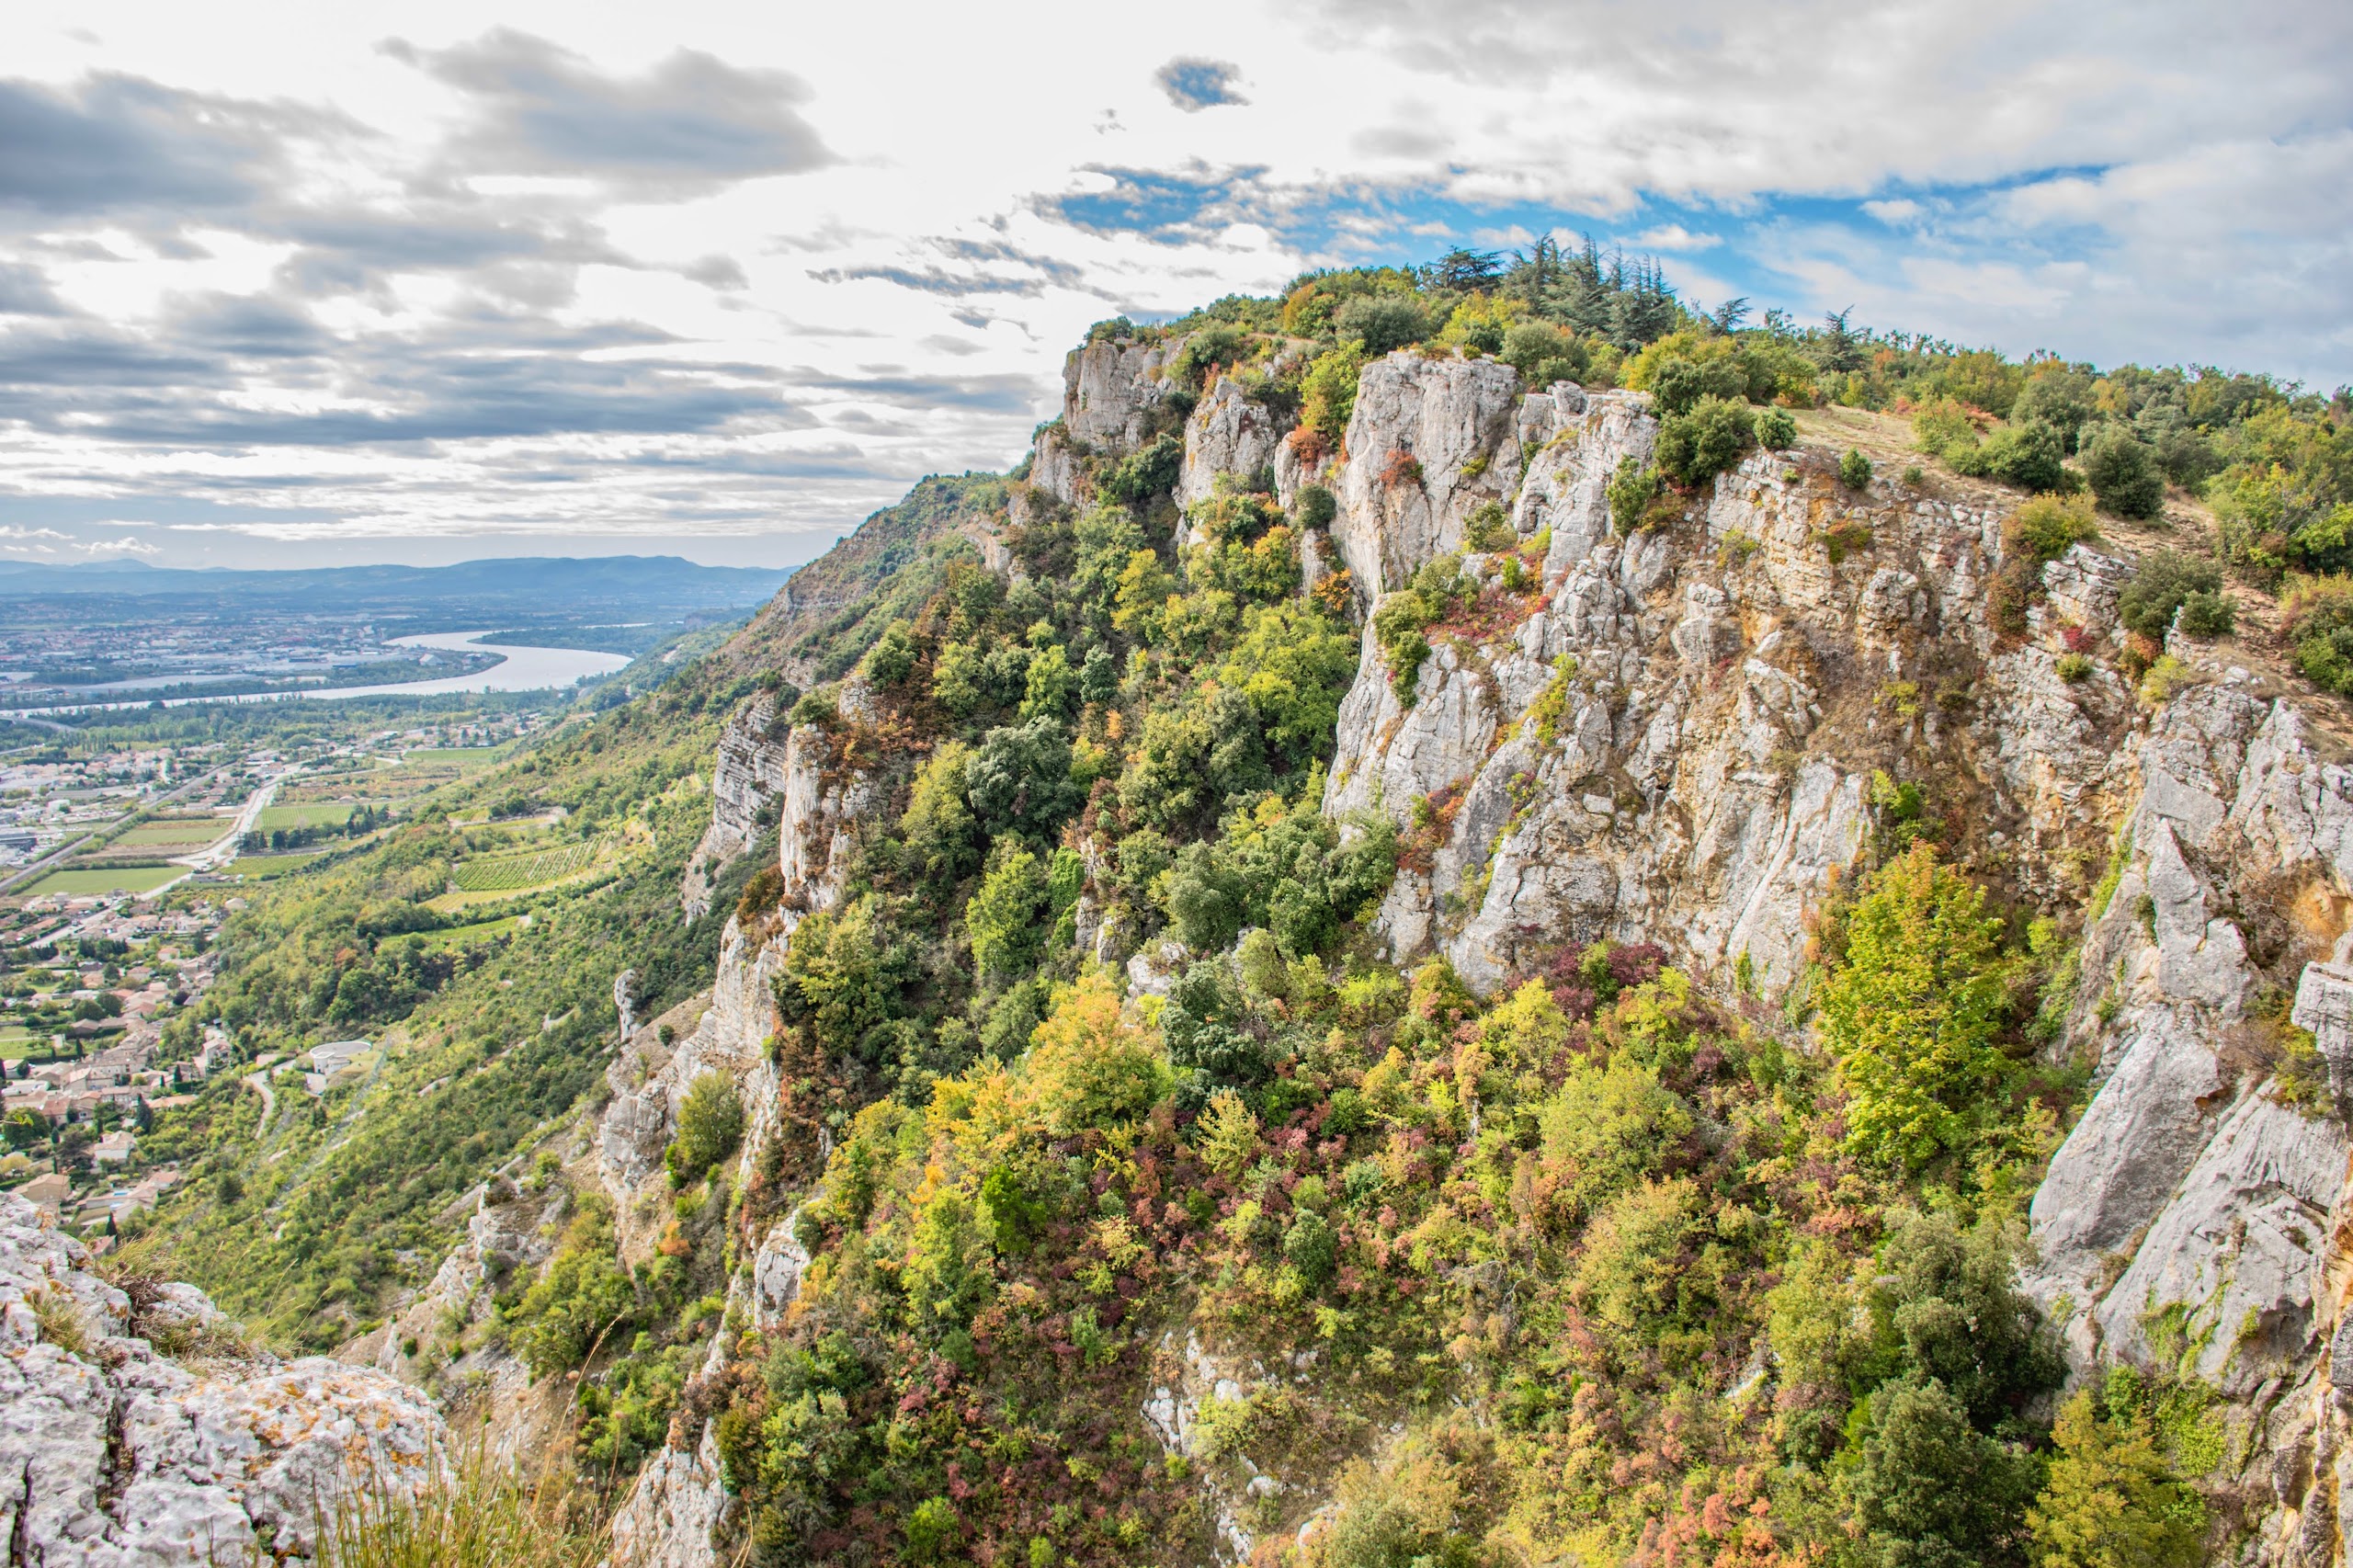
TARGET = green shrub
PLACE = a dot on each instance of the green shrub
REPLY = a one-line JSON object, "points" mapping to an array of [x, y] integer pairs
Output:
{"points": [[846, 975], [2032, 457], [2059, 396], [1924, 1486], [2165, 680], [1383, 322], [1677, 386], [1005, 921], [1775, 430], [2075, 667], [1708, 437], [2163, 581], [1946, 429], [1143, 474], [2317, 615], [581, 1299], [1328, 391], [932, 1529], [1317, 506], [2209, 615], [2123, 473], [1854, 469], [1489, 529], [892, 657], [710, 1124], [2112, 1494], [1397, 626], [1543, 354], [2047, 526], [1631, 490], [1312, 1246]]}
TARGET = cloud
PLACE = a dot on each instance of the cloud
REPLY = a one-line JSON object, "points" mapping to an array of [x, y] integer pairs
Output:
{"points": [[687, 126], [717, 272], [24, 291], [116, 145], [1193, 84], [1674, 237], [537, 293]]}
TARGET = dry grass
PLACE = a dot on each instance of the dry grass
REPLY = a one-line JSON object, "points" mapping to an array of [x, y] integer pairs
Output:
{"points": [[61, 1320], [476, 1514]]}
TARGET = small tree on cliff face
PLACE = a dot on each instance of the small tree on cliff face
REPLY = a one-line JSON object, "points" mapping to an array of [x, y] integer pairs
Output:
{"points": [[711, 1124], [1912, 1012]]}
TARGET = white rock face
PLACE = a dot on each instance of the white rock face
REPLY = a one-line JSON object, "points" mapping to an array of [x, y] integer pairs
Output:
{"points": [[1455, 420], [114, 1456], [1581, 438], [668, 1519], [2188, 1190], [1053, 465], [1226, 434], [749, 772], [1172, 1411], [1687, 792], [1111, 390]]}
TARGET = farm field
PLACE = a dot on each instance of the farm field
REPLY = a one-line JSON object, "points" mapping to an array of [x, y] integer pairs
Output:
{"points": [[103, 878], [173, 833], [465, 758], [521, 872], [17, 1043], [311, 813]]}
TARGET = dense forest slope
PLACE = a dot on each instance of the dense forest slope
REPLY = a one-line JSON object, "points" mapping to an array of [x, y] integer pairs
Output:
{"points": [[1450, 930]]}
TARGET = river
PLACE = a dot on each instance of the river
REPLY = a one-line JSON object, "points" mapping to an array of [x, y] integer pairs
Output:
{"points": [[519, 669]]}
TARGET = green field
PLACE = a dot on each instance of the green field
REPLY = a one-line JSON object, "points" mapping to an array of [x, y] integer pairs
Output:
{"points": [[311, 813], [18, 1044], [175, 832], [263, 867], [100, 879], [515, 873], [453, 756]]}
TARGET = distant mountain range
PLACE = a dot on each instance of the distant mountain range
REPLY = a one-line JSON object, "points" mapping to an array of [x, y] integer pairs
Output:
{"points": [[544, 583]]}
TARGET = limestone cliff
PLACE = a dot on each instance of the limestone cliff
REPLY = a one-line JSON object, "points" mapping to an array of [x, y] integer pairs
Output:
{"points": [[136, 1430], [1687, 735]]}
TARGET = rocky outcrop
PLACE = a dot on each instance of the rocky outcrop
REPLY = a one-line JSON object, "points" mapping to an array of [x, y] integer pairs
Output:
{"points": [[1227, 434], [750, 771], [1429, 442], [1579, 437], [668, 1516], [2189, 1201], [116, 1454], [1187, 1378], [1113, 390], [1714, 699]]}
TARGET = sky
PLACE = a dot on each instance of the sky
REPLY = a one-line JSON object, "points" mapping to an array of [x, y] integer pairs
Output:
{"points": [[291, 285]]}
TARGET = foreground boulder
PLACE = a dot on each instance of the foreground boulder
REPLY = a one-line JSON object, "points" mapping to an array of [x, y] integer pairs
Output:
{"points": [[135, 1429]]}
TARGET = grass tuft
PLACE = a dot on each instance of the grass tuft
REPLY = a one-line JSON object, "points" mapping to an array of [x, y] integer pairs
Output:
{"points": [[476, 1513]]}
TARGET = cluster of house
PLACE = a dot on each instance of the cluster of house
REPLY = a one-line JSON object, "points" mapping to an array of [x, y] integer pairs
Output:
{"points": [[54, 1195], [120, 1075]]}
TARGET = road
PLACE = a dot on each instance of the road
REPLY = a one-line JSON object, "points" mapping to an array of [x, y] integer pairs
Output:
{"points": [[222, 850], [259, 1083], [73, 847]]}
